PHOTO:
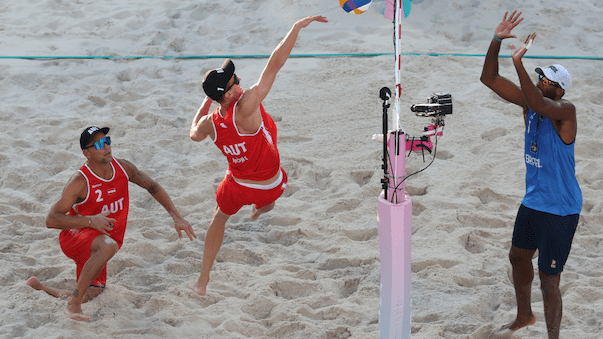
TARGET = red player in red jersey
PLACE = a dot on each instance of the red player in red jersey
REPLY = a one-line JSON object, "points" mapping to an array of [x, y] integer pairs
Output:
{"points": [[246, 135], [92, 214]]}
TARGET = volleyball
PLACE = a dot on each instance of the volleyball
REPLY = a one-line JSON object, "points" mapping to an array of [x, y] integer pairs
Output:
{"points": [[355, 6]]}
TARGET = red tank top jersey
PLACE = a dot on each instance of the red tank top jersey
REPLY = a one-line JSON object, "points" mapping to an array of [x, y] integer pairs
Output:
{"points": [[250, 156], [106, 196]]}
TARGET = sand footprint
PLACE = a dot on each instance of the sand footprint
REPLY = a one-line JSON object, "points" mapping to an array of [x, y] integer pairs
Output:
{"points": [[122, 262], [152, 234], [339, 332], [245, 256], [487, 196], [415, 191], [423, 264], [326, 313], [291, 189], [29, 261], [303, 170], [177, 45], [472, 281], [285, 237], [349, 287], [292, 289], [200, 13], [362, 234], [444, 155], [97, 101], [484, 220], [417, 208], [473, 243], [124, 76], [344, 205], [362, 177], [336, 263], [494, 134], [283, 221], [258, 306], [295, 167]]}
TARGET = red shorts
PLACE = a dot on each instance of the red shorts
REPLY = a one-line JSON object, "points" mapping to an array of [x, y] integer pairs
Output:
{"points": [[76, 245], [231, 195]]}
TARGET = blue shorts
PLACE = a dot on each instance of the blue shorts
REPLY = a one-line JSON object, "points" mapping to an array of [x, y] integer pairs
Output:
{"points": [[551, 234]]}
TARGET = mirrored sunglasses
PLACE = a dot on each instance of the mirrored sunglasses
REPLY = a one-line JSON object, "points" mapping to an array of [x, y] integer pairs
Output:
{"points": [[546, 81], [100, 144]]}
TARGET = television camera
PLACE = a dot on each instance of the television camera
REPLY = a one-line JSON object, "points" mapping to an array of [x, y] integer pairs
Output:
{"points": [[437, 107], [437, 104]]}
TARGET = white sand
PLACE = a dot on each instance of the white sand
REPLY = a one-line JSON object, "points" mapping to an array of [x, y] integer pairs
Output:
{"points": [[310, 268]]}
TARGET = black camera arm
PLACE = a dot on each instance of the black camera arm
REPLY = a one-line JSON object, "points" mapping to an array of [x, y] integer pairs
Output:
{"points": [[385, 95]]}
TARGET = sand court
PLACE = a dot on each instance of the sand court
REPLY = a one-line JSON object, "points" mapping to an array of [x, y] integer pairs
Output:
{"points": [[310, 268]]}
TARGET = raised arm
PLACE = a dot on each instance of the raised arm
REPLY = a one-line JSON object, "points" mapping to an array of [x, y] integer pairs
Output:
{"points": [[143, 180], [201, 126], [561, 110], [252, 98], [490, 77], [75, 191]]}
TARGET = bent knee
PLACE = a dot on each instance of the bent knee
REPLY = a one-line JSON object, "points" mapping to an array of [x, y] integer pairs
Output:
{"points": [[107, 246], [112, 244]]}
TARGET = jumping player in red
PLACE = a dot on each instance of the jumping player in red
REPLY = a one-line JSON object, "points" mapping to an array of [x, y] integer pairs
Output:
{"points": [[92, 214], [246, 135]]}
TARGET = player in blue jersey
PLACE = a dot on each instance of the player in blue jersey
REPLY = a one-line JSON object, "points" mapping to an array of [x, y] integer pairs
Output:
{"points": [[549, 212]]}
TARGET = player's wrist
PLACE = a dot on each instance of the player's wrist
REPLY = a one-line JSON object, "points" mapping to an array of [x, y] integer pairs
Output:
{"points": [[497, 38]]}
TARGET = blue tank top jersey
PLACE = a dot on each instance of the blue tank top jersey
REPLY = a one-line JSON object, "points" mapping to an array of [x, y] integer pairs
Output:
{"points": [[551, 184]]}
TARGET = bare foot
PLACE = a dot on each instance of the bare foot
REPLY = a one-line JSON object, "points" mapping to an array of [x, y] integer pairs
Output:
{"points": [[72, 312], [198, 288], [508, 329], [255, 214], [34, 283]]}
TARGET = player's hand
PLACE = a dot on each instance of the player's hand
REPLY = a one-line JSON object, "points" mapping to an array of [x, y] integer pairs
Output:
{"points": [[101, 223], [182, 225], [307, 20], [503, 30], [518, 53]]}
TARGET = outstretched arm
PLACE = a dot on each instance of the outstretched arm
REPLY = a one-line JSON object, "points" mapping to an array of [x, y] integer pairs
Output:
{"points": [[490, 77], [252, 98], [143, 180]]}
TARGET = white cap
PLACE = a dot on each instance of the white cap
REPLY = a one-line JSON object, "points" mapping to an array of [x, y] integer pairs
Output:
{"points": [[558, 74]]}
